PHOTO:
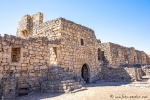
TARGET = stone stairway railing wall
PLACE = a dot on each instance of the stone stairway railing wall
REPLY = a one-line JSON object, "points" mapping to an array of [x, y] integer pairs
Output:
{"points": [[59, 81]]}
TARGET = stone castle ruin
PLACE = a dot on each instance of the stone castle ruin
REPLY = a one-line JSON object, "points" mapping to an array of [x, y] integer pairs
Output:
{"points": [[58, 56]]}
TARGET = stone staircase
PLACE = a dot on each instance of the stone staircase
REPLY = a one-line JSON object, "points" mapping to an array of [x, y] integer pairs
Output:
{"points": [[59, 81]]}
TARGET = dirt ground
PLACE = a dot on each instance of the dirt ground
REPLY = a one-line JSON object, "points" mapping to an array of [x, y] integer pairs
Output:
{"points": [[102, 91]]}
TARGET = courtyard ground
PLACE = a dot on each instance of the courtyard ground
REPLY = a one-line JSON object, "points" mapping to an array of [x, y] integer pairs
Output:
{"points": [[102, 91]]}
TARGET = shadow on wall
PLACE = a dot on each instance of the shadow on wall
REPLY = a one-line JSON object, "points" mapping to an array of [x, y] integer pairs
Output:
{"points": [[124, 73], [102, 83]]}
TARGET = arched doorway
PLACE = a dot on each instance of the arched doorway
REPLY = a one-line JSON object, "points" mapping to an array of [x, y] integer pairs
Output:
{"points": [[85, 73]]}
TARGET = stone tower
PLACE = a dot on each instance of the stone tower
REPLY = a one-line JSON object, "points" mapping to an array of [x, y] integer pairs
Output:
{"points": [[27, 24], [37, 18]]}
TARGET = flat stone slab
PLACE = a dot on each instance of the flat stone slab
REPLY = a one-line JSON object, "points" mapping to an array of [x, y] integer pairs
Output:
{"points": [[81, 89]]}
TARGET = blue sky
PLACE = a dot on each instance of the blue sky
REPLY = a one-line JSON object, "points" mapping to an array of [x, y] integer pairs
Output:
{"points": [[125, 22]]}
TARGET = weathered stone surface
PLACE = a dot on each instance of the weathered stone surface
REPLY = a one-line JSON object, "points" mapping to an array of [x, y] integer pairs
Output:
{"points": [[117, 55], [59, 56], [146, 70]]}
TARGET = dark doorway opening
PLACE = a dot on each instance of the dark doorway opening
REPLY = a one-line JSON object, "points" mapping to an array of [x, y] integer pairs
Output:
{"points": [[23, 91], [85, 73], [102, 55]]}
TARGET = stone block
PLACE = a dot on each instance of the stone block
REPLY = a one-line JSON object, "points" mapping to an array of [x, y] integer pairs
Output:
{"points": [[24, 50], [30, 47], [4, 43], [24, 65], [1, 68], [30, 67], [18, 68], [1, 76], [36, 60], [24, 74], [12, 68], [17, 75], [42, 61], [6, 68], [31, 74], [4, 60]]}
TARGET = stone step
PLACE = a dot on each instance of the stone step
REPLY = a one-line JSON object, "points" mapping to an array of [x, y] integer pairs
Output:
{"points": [[67, 81], [74, 83], [59, 81], [76, 90], [76, 87], [64, 85]]}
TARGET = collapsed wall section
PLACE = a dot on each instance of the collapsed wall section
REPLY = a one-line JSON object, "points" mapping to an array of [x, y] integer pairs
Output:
{"points": [[33, 26]]}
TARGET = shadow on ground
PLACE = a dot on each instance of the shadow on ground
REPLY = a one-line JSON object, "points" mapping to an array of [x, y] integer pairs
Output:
{"points": [[39, 96], [101, 83]]}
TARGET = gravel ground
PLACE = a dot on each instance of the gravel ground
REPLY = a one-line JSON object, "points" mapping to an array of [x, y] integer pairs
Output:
{"points": [[102, 91]]}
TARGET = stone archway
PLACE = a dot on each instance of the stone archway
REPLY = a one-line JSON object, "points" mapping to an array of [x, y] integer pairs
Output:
{"points": [[85, 73]]}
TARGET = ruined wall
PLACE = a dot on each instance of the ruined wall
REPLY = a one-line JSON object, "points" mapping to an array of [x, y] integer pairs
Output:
{"points": [[25, 27], [78, 47], [49, 29], [148, 58], [30, 65], [139, 56], [105, 48], [118, 55], [23, 64], [146, 70], [36, 28], [122, 55], [26, 60], [142, 57], [73, 53]]}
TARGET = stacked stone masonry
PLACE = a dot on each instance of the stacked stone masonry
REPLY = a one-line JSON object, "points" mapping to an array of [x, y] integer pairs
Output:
{"points": [[71, 54], [58, 56], [117, 55], [146, 70], [124, 73]]}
